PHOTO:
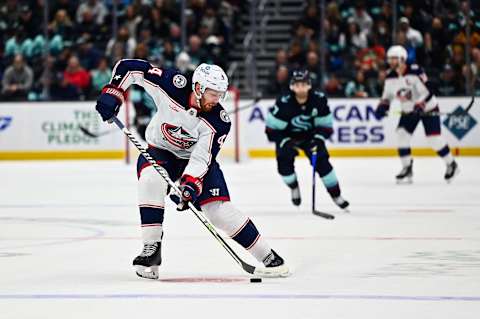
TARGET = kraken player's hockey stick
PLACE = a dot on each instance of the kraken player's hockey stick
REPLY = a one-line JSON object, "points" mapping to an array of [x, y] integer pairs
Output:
{"points": [[258, 271], [314, 211]]}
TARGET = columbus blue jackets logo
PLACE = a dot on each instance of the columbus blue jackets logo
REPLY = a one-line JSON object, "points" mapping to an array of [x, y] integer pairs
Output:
{"points": [[404, 95], [179, 81], [224, 116], [177, 136]]}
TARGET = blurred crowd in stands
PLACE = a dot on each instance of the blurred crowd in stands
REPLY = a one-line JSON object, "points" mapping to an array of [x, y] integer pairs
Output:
{"points": [[82, 50], [358, 34]]}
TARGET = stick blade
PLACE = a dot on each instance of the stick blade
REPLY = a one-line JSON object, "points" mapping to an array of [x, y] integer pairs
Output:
{"points": [[87, 132], [322, 214]]}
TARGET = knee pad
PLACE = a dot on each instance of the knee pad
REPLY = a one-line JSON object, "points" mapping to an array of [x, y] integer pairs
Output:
{"points": [[225, 216], [436, 142], [152, 188], [403, 138]]}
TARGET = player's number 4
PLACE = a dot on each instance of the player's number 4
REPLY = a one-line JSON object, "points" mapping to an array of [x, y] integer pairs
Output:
{"points": [[221, 140]]}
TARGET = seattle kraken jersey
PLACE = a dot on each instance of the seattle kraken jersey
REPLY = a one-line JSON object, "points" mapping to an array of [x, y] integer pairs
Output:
{"points": [[409, 88], [288, 118], [177, 127]]}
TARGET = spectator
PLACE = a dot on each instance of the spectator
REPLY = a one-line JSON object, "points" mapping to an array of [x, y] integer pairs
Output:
{"points": [[87, 53], [157, 24], [168, 55], [449, 84], [362, 18], [195, 50], [281, 83], [358, 87], [123, 46], [474, 70], [436, 44], [184, 64], [313, 67], [17, 80], [100, 76], [414, 37], [95, 8], [353, 39], [133, 19], [62, 25], [333, 86], [77, 76]]}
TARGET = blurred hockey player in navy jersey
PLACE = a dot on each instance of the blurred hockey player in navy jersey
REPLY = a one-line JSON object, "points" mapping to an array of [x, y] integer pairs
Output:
{"points": [[184, 137], [301, 119], [408, 84]]}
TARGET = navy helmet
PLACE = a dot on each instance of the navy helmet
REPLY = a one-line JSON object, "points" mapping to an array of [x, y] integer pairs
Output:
{"points": [[300, 75]]}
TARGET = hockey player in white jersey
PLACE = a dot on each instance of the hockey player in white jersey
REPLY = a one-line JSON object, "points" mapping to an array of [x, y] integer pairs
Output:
{"points": [[408, 84], [184, 137]]}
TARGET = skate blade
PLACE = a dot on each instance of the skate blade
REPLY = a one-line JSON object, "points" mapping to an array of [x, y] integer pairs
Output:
{"points": [[273, 272], [405, 181], [147, 272]]}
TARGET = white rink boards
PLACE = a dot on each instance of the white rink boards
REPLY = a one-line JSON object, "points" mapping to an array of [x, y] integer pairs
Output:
{"points": [[69, 231]]}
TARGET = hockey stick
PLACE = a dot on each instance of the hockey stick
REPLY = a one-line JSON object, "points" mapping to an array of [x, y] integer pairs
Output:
{"points": [[259, 271], [94, 135], [438, 113], [314, 211]]}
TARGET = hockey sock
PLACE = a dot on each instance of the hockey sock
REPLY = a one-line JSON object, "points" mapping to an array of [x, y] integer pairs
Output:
{"points": [[290, 180], [152, 219], [331, 183], [442, 149], [445, 154], [405, 156], [249, 237]]}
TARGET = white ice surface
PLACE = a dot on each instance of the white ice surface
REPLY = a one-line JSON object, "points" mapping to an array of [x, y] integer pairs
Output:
{"points": [[69, 231]]}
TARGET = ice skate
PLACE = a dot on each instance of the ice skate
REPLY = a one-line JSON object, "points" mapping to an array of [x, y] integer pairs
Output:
{"points": [[146, 264], [405, 175], [274, 266], [296, 197], [342, 203], [452, 171]]}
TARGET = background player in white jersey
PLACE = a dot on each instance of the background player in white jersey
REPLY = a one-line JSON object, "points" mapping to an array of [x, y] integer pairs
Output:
{"points": [[408, 84], [184, 137]]}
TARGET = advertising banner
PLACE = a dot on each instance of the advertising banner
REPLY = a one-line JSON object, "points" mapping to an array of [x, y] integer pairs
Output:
{"points": [[52, 130], [357, 132]]}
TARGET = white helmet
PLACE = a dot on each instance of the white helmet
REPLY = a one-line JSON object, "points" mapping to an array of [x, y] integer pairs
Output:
{"points": [[397, 51], [209, 76]]}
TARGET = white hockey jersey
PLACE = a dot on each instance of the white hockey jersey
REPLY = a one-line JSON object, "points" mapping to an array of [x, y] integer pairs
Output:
{"points": [[408, 88], [177, 126]]}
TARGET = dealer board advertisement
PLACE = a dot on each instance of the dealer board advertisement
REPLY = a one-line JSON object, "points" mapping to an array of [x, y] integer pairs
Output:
{"points": [[358, 132], [53, 130]]}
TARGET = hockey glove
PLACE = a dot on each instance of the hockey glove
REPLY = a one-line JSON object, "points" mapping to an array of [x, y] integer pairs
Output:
{"points": [[288, 142], [190, 188], [317, 141], [419, 108], [382, 110], [109, 102]]}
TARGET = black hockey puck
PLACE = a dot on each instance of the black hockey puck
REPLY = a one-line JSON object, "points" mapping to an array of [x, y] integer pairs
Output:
{"points": [[255, 279]]}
